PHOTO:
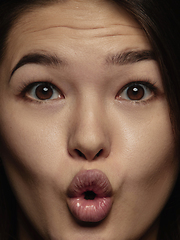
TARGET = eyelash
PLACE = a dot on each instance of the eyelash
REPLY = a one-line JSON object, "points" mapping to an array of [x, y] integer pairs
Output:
{"points": [[146, 84], [27, 86]]}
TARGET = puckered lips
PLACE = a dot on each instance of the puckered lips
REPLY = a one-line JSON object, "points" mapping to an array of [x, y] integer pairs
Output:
{"points": [[89, 196]]}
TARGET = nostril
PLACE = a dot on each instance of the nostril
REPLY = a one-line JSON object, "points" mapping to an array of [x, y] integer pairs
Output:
{"points": [[80, 154], [98, 154], [88, 155]]}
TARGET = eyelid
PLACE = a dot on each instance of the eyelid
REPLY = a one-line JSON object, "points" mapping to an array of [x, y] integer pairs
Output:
{"points": [[28, 86], [146, 83]]}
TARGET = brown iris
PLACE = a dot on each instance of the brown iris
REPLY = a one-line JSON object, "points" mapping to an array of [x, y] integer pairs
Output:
{"points": [[44, 91], [135, 92]]}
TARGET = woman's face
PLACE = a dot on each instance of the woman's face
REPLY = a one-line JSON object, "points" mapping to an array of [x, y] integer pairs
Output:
{"points": [[86, 138]]}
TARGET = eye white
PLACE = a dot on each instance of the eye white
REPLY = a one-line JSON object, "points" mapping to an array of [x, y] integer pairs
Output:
{"points": [[48, 92]]}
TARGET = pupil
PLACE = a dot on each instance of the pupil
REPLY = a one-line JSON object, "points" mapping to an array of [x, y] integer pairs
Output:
{"points": [[135, 92], [44, 92], [89, 195]]}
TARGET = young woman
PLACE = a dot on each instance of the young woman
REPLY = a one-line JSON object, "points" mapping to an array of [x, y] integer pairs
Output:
{"points": [[89, 120]]}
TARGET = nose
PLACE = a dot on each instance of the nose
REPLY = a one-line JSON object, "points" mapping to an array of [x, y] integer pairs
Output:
{"points": [[89, 137]]}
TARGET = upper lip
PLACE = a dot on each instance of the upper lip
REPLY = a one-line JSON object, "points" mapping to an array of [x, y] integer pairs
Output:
{"points": [[90, 180]]}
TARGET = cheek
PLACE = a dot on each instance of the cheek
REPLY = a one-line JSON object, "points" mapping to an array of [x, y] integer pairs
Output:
{"points": [[153, 149], [144, 166], [33, 147], [145, 148], [150, 150]]}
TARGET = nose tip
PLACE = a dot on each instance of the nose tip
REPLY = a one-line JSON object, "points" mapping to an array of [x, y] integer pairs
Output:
{"points": [[89, 144]]}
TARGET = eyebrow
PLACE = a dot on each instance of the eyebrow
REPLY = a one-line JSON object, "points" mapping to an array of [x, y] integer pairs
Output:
{"points": [[129, 57], [122, 58], [37, 58]]}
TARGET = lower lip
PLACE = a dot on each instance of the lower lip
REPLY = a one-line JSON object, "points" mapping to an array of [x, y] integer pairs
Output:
{"points": [[90, 210]]}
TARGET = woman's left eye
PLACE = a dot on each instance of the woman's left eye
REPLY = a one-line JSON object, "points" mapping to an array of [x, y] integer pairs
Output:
{"points": [[136, 91], [42, 91]]}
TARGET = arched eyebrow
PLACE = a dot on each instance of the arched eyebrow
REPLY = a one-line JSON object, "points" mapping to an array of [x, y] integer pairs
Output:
{"points": [[129, 57], [45, 59], [122, 58]]}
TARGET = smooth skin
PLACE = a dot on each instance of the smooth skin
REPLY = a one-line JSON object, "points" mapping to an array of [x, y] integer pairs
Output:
{"points": [[89, 122]]}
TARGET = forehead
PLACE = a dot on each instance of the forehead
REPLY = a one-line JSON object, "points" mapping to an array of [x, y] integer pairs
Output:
{"points": [[75, 25], [81, 14]]}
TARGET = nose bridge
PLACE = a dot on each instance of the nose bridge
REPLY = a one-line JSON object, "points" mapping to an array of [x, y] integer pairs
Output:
{"points": [[89, 136]]}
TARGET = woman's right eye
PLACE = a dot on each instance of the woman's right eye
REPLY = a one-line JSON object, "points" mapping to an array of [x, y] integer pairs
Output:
{"points": [[42, 91]]}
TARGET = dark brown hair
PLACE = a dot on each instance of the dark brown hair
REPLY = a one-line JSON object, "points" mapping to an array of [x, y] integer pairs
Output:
{"points": [[160, 19]]}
